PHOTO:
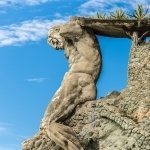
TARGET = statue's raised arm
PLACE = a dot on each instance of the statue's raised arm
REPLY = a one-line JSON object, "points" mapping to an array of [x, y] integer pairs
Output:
{"points": [[80, 45]]}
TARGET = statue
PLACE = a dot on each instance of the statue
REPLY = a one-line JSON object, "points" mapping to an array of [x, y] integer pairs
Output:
{"points": [[74, 120], [79, 84]]}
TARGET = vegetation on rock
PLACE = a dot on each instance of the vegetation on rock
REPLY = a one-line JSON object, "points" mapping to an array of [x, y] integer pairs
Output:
{"points": [[139, 13], [118, 14]]}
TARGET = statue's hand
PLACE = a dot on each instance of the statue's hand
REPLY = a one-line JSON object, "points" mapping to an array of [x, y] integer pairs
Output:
{"points": [[71, 30]]}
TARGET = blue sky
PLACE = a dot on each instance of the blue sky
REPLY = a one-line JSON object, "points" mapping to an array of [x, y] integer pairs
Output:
{"points": [[31, 71]]}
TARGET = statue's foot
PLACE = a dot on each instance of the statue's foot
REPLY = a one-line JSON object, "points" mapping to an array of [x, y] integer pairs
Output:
{"points": [[63, 136]]}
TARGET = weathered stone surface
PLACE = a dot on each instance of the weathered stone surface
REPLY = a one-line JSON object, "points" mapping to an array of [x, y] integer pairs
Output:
{"points": [[120, 121], [122, 28]]}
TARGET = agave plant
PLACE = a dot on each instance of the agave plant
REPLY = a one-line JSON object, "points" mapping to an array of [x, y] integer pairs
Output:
{"points": [[118, 14], [100, 16], [140, 13]]}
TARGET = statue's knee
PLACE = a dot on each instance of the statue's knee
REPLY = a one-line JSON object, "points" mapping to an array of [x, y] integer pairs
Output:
{"points": [[89, 92]]}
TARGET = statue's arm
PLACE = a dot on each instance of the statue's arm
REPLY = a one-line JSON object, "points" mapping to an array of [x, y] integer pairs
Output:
{"points": [[85, 43], [70, 30], [88, 47]]}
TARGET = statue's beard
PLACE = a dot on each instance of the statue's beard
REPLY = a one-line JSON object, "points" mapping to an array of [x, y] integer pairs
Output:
{"points": [[56, 43]]}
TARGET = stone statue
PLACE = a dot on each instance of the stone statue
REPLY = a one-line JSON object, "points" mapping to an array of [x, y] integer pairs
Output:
{"points": [[79, 84], [74, 120]]}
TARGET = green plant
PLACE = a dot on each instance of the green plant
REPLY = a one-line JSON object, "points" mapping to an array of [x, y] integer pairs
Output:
{"points": [[99, 16], [140, 13], [118, 14]]}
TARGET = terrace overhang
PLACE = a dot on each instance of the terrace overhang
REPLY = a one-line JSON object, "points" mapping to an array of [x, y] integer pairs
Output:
{"points": [[116, 28]]}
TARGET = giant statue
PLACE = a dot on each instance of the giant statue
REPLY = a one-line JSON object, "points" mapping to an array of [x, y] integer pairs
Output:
{"points": [[74, 119]]}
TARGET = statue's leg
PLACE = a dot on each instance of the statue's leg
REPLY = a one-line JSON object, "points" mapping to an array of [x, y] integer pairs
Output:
{"points": [[63, 136], [77, 89], [66, 103], [54, 103], [65, 110], [56, 99], [88, 89]]}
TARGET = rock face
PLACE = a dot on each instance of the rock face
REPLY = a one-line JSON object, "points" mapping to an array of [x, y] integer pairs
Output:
{"points": [[119, 121]]}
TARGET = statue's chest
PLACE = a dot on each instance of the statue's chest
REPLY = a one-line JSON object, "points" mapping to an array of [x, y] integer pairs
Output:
{"points": [[73, 56]]}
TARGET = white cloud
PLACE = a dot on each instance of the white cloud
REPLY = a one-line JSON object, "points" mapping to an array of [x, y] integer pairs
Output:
{"points": [[24, 2], [37, 80], [34, 2], [31, 30], [92, 6]]}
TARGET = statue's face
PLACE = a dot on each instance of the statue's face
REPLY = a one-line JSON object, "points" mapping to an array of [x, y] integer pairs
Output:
{"points": [[55, 39]]}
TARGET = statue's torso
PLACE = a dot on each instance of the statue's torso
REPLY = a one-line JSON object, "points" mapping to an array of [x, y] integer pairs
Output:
{"points": [[78, 62]]}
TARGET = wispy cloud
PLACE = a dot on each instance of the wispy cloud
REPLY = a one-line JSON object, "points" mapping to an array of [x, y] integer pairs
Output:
{"points": [[26, 31], [3, 129], [58, 15], [2, 12], [92, 6], [9, 147], [37, 80], [7, 132], [24, 2]]}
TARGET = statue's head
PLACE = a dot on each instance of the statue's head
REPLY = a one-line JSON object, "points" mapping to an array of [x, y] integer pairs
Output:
{"points": [[59, 35], [55, 39]]}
